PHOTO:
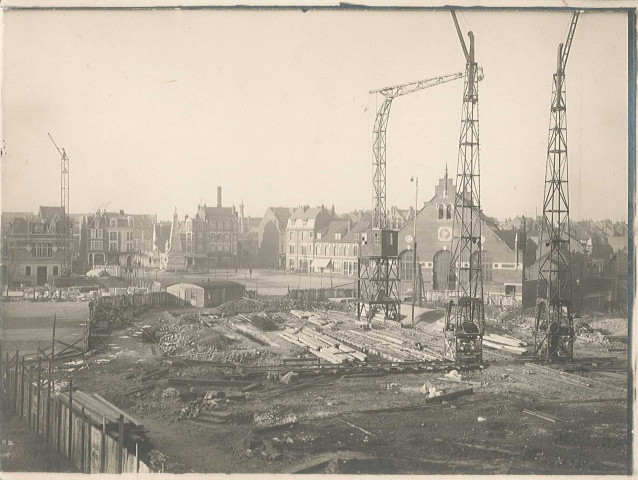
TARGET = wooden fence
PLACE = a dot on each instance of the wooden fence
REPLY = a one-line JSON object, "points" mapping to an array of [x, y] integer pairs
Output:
{"points": [[64, 424], [321, 294], [154, 299]]}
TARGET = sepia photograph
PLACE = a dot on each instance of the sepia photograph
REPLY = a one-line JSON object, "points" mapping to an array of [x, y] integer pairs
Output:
{"points": [[317, 239]]}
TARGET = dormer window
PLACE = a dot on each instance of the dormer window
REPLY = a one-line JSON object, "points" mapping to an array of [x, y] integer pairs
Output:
{"points": [[113, 222], [305, 222], [338, 236], [318, 235]]}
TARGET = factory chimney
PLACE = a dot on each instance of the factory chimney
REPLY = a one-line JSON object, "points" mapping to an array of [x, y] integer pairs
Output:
{"points": [[219, 197]]}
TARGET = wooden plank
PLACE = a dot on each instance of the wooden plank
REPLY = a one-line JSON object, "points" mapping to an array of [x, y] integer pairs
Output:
{"points": [[539, 415], [130, 418]]}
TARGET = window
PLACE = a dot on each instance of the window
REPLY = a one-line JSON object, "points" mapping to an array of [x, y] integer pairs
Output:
{"points": [[129, 247], [327, 250], [407, 265], [291, 249], [292, 236], [338, 236], [440, 212], [113, 247], [317, 249], [112, 235], [96, 245], [114, 222], [303, 249], [356, 250], [377, 238], [303, 236], [310, 233], [92, 233], [27, 271], [189, 248], [43, 250], [55, 270], [129, 235], [448, 213]]}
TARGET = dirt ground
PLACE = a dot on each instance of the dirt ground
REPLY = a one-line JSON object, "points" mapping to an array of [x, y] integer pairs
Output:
{"points": [[24, 451], [331, 423]]}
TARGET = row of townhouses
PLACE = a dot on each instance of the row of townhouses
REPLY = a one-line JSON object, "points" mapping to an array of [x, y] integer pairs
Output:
{"points": [[305, 240]]}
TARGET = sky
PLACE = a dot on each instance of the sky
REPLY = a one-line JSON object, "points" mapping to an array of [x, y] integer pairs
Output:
{"points": [[157, 108]]}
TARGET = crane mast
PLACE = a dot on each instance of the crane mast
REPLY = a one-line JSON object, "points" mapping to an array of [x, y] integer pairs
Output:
{"points": [[465, 318], [64, 203], [554, 331]]}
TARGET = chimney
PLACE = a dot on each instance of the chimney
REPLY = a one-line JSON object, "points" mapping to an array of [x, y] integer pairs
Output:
{"points": [[219, 196]]}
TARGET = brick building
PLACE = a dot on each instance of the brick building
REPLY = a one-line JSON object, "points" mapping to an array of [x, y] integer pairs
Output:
{"points": [[503, 250], [33, 247], [114, 239], [211, 236]]}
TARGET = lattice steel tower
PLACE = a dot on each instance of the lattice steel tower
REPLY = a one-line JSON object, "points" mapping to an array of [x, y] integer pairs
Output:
{"points": [[554, 329], [378, 278], [465, 318], [64, 203]]}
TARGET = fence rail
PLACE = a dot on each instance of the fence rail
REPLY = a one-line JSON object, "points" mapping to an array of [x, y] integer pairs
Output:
{"points": [[67, 427]]}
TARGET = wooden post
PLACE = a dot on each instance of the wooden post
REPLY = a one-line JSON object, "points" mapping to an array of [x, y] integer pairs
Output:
{"points": [[89, 449], [22, 388], [120, 446], [82, 449], [7, 371], [30, 396], [49, 386], [103, 447], [137, 458], [70, 432], [2, 370], [15, 388], [38, 397], [53, 340], [58, 426]]}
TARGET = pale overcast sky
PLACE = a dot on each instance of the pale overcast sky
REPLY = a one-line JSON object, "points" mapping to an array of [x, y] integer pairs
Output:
{"points": [[157, 108]]}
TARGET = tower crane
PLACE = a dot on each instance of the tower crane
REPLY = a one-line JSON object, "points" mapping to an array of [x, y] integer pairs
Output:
{"points": [[379, 216], [378, 267], [64, 203], [554, 330], [465, 317]]}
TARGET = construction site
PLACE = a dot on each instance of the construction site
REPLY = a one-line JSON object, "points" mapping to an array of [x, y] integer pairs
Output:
{"points": [[374, 383]]}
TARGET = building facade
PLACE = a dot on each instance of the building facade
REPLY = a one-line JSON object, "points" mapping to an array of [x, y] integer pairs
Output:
{"points": [[337, 247], [114, 238], [301, 233], [272, 237], [33, 248], [502, 255]]}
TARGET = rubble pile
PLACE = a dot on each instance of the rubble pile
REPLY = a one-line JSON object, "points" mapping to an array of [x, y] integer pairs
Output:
{"points": [[265, 322], [179, 336], [251, 356]]}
